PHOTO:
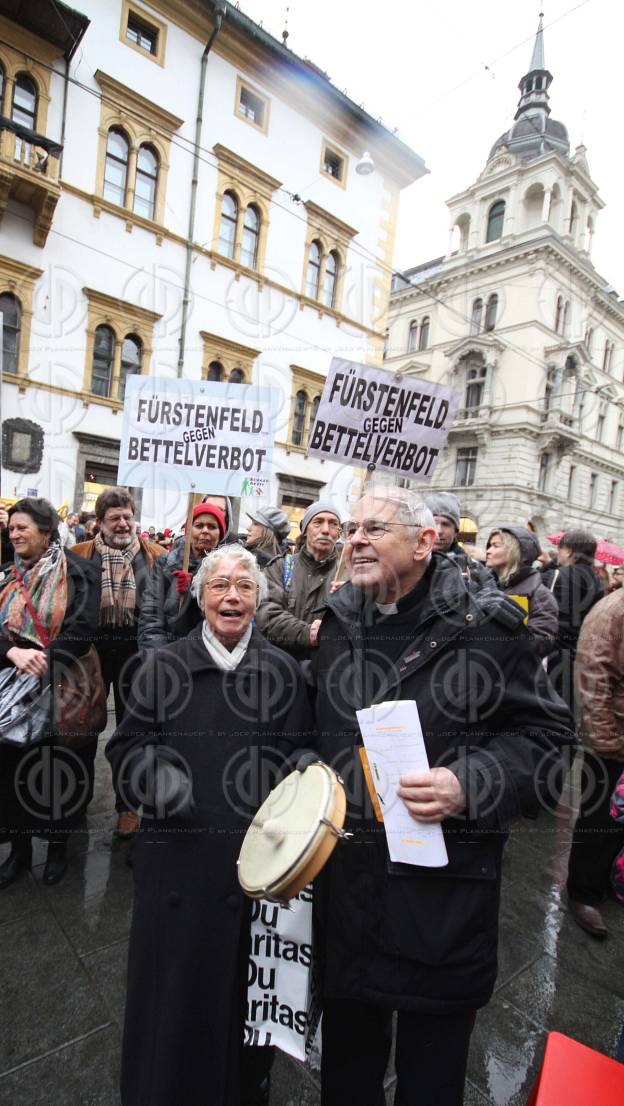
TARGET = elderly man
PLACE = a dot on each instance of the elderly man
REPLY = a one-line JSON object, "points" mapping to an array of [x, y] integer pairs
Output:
{"points": [[299, 583], [126, 561], [422, 941], [445, 508]]}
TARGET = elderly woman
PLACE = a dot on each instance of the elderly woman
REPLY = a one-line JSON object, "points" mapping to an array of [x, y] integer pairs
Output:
{"points": [[168, 610], [211, 717], [49, 610], [266, 533], [511, 551]]}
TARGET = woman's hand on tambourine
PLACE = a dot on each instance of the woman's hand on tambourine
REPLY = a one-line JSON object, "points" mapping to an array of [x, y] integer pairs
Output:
{"points": [[30, 661]]}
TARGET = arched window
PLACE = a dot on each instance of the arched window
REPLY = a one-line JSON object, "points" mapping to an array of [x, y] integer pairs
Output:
{"points": [[476, 317], [313, 275], [229, 216], [331, 279], [496, 218], [11, 311], [237, 376], [131, 357], [573, 219], [1, 90], [146, 182], [412, 336], [589, 340], [559, 315], [423, 338], [103, 359], [251, 237], [299, 418], [215, 371], [116, 167], [25, 102], [490, 312]]}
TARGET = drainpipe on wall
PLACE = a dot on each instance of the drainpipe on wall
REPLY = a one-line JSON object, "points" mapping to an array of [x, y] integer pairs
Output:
{"points": [[219, 14], [64, 117]]}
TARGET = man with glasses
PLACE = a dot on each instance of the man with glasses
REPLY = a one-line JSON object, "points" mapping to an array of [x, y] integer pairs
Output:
{"points": [[299, 583], [396, 937]]}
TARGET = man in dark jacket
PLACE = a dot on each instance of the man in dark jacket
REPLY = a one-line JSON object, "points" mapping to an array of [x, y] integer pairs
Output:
{"points": [[299, 583], [445, 508], [422, 941], [125, 561], [576, 588]]}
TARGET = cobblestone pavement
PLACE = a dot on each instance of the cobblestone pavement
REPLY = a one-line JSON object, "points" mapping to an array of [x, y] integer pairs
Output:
{"points": [[63, 958]]}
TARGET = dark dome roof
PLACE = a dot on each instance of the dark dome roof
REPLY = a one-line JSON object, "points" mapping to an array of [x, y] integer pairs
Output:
{"points": [[528, 140]]}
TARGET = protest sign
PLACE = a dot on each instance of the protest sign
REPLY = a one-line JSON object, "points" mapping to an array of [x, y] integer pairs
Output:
{"points": [[369, 416], [280, 1006], [197, 435]]}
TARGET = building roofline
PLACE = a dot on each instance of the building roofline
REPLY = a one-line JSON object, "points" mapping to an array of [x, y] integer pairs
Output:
{"points": [[410, 164]]}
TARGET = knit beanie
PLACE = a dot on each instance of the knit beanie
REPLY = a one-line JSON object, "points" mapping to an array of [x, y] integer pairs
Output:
{"points": [[322, 506], [446, 504]]}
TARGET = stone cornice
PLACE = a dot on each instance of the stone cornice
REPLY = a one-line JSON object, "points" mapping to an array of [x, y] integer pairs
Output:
{"points": [[533, 252], [120, 95]]}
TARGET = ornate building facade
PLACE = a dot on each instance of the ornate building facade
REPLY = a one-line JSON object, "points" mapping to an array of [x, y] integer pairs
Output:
{"points": [[181, 195], [516, 317]]}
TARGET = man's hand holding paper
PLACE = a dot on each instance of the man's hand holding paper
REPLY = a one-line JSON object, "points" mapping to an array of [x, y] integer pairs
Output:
{"points": [[433, 795]]}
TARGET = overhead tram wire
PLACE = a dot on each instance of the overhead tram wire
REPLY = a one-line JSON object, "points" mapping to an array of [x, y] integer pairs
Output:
{"points": [[234, 311], [357, 249], [187, 145]]}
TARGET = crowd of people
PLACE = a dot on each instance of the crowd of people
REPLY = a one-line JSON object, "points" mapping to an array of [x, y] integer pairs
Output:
{"points": [[512, 656]]}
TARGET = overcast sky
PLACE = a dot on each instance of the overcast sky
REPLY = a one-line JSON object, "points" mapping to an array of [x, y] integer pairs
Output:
{"points": [[445, 73]]}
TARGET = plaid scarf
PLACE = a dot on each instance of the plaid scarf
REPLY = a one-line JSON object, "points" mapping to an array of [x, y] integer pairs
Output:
{"points": [[118, 583], [46, 582]]}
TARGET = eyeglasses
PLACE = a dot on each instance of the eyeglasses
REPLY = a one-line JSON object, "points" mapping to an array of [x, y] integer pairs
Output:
{"points": [[372, 528], [220, 585]]}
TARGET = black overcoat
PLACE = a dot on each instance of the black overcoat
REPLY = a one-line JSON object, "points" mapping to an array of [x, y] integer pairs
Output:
{"points": [[409, 937], [227, 733]]}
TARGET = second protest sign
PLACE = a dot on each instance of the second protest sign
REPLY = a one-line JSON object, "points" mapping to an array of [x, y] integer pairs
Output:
{"points": [[369, 416]]}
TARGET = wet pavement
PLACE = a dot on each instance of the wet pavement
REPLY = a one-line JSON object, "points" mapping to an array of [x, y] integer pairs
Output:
{"points": [[64, 948]]}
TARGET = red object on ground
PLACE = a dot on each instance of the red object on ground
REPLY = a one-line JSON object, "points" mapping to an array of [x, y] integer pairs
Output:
{"points": [[574, 1075]]}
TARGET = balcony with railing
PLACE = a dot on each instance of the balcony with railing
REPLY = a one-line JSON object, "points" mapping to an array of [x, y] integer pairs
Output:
{"points": [[29, 174]]}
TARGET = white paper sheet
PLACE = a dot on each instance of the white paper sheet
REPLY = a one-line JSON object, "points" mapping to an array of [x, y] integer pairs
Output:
{"points": [[394, 744]]}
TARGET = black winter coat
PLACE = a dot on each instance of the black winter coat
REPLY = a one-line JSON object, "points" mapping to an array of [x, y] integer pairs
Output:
{"points": [[417, 938], [163, 618], [543, 614], [576, 589], [187, 962]]}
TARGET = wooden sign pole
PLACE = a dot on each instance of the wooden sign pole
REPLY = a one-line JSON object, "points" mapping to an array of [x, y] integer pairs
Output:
{"points": [[193, 500]]}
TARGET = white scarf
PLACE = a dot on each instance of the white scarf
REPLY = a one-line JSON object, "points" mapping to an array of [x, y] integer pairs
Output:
{"points": [[222, 657]]}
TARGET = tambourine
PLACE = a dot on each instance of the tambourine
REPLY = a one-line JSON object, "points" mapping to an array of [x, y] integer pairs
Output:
{"points": [[293, 834]]}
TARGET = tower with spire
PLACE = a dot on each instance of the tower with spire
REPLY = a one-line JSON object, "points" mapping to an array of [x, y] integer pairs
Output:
{"points": [[517, 319]]}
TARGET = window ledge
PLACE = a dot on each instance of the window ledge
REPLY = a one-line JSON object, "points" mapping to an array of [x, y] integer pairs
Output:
{"points": [[131, 218], [23, 382]]}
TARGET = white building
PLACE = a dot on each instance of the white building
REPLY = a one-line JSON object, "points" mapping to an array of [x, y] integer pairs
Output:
{"points": [[180, 195], [516, 317]]}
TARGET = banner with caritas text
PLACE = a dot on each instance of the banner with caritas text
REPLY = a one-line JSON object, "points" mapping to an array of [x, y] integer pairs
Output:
{"points": [[369, 416], [197, 435]]}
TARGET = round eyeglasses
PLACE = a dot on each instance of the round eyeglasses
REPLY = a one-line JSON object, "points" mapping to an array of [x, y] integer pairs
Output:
{"points": [[220, 585], [372, 528]]}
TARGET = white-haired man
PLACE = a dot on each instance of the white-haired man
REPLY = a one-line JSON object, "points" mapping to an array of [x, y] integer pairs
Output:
{"points": [[418, 940]]}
